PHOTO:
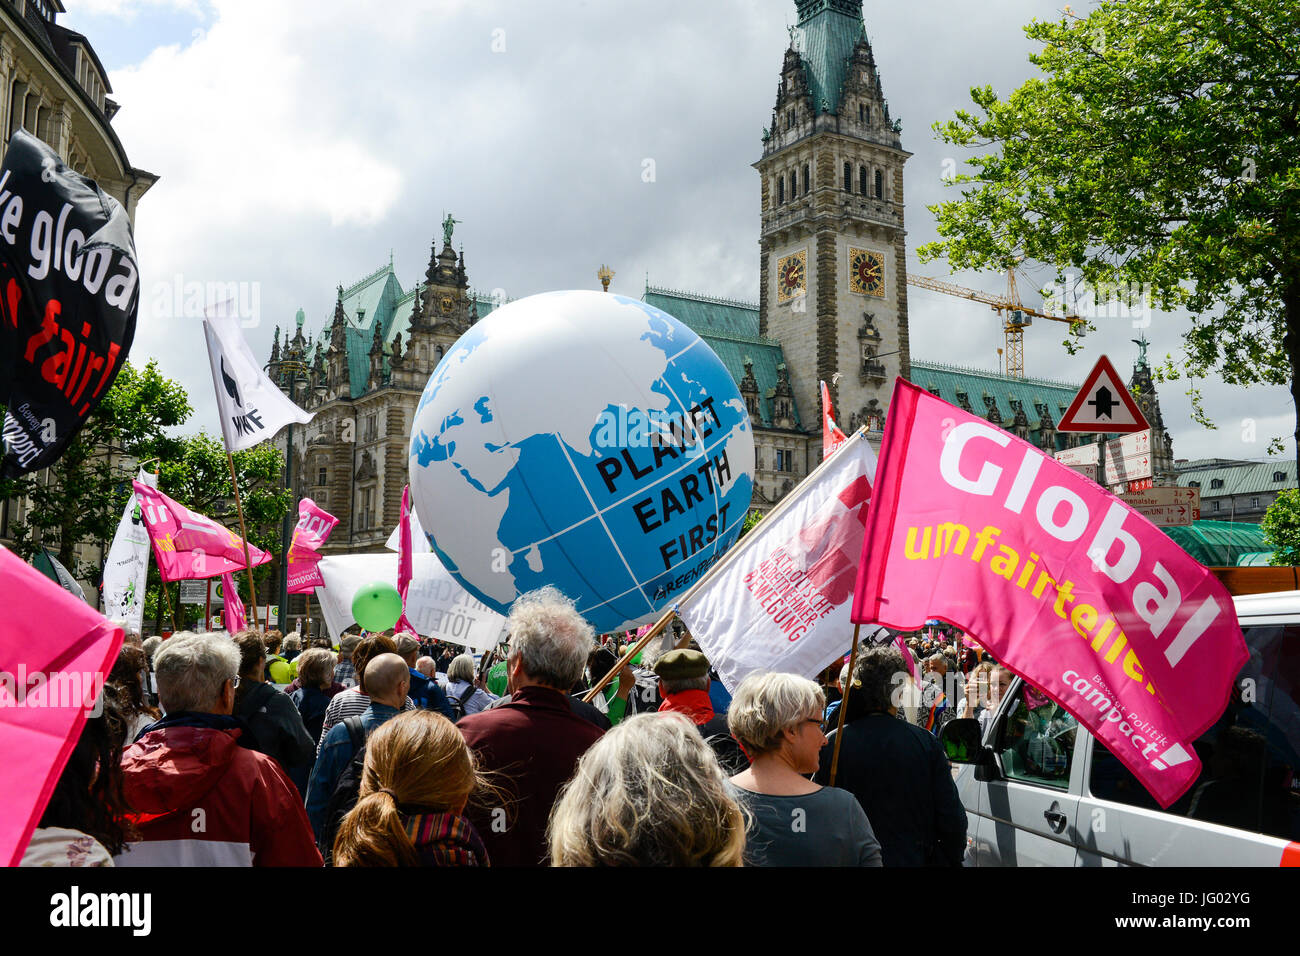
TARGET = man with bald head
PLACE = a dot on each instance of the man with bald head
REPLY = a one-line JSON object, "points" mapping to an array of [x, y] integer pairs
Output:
{"points": [[387, 681]]}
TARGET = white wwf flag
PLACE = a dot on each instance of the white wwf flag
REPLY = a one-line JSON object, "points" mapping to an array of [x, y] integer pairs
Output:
{"points": [[780, 600], [127, 564], [252, 408]]}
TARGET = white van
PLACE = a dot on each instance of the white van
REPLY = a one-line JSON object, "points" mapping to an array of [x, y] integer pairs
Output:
{"points": [[1039, 790]]}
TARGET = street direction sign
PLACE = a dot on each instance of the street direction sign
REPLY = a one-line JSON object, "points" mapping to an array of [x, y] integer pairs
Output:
{"points": [[192, 592], [1103, 404], [1120, 461], [1088, 471], [1167, 507]]}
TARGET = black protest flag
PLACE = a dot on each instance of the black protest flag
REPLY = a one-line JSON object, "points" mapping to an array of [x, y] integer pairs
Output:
{"points": [[69, 293]]}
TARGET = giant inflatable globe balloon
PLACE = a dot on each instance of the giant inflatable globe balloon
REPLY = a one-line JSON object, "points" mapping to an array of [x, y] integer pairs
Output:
{"points": [[587, 441]]}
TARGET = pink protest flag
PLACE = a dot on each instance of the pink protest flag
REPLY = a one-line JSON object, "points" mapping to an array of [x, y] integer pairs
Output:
{"points": [[188, 545], [54, 654], [314, 526], [1064, 583], [236, 619], [404, 562]]}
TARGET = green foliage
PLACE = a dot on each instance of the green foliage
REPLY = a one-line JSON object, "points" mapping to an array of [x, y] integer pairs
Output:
{"points": [[81, 496], [1281, 526], [751, 519], [1161, 147]]}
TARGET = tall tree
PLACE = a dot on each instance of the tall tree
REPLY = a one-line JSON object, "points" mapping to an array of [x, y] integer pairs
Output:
{"points": [[1161, 147], [81, 496]]}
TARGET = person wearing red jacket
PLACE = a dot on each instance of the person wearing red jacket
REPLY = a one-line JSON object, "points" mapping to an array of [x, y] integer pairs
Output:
{"points": [[199, 796]]}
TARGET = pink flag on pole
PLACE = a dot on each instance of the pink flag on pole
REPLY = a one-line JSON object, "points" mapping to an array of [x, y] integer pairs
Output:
{"points": [[236, 619], [1064, 583], [56, 651], [188, 545], [404, 562], [314, 526]]}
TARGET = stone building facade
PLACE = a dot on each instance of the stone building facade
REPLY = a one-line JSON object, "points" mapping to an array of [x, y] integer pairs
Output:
{"points": [[53, 86]]}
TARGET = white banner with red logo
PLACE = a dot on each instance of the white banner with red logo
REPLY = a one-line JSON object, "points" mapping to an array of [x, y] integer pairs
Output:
{"points": [[780, 602]]}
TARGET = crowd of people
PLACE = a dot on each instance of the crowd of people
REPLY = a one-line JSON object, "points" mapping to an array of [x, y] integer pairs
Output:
{"points": [[389, 750]]}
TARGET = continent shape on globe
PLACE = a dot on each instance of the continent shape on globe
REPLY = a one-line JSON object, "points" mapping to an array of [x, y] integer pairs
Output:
{"points": [[585, 440]]}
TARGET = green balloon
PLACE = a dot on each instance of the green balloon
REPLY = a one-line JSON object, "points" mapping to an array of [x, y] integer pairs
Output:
{"points": [[377, 606]]}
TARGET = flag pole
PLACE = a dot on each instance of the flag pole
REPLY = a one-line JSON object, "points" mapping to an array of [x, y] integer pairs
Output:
{"points": [[632, 652], [207, 605], [844, 705], [171, 612], [248, 562]]}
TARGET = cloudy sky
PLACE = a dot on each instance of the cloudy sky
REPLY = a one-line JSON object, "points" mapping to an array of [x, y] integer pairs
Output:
{"points": [[303, 142]]}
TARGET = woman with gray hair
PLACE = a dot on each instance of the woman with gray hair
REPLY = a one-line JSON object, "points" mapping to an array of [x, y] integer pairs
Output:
{"points": [[465, 698], [777, 719], [649, 793]]}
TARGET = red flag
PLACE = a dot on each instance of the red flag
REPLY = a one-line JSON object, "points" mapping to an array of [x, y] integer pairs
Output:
{"points": [[832, 436], [56, 652], [404, 562]]}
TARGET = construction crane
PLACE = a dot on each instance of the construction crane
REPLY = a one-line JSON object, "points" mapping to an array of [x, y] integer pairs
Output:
{"points": [[1015, 314]]}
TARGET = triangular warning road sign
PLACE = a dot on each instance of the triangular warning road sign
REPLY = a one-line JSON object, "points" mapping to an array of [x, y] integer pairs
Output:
{"points": [[1103, 405]]}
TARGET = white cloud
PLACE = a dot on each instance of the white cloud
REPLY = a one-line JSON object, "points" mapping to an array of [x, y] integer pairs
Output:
{"points": [[299, 141]]}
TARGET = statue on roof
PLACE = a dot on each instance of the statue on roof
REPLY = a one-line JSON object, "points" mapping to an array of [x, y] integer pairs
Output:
{"points": [[1141, 343], [448, 227]]}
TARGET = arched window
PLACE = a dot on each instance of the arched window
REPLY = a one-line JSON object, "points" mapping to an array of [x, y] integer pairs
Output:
{"points": [[862, 112], [807, 180], [780, 189], [794, 183], [880, 184], [848, 177], [862, 180]]}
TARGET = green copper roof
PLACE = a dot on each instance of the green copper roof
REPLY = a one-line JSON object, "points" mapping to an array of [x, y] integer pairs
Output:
{"points": [[1242, 478], [828, 32], [730, 328], [947, 380], [1218, 544], [376, 298]]}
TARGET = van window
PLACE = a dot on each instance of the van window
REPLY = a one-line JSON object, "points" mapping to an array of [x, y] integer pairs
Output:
{"points": [[1037, 740], [1249, 757]]}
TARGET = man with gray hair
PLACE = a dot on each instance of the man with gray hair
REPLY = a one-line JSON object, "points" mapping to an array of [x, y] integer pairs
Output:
{"points": [[898, 771], [202, 797], [536, 739]]}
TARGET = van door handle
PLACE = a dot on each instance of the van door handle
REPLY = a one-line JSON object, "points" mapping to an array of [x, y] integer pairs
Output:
{"points": [[1055, 818]]}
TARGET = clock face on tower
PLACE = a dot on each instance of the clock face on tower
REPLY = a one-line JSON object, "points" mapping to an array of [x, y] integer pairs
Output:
{"points": [[866, 272], [791, 276]]}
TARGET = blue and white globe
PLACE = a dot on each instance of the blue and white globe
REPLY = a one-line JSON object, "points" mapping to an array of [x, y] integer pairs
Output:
{"points": [[587, 441]]}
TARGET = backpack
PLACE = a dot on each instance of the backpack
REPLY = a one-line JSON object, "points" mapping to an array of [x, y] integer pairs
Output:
{"points": [[458, 703], [346, 790]]}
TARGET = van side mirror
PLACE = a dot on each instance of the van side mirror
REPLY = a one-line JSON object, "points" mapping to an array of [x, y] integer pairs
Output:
{"points": [[961, 740]]}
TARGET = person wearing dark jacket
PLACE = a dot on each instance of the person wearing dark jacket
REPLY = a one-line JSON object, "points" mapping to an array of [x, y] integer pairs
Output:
{"points": [[425, 692], [274, 724], [534, 742], [684, 683], [898, 771]]}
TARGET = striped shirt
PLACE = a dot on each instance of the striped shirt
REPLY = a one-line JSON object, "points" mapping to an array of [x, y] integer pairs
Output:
{"points": [[348, 703]]}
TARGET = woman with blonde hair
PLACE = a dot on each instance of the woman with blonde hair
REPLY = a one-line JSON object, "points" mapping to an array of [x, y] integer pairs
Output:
{"points": [[418, 776], [650, 792], [778, 720]]}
